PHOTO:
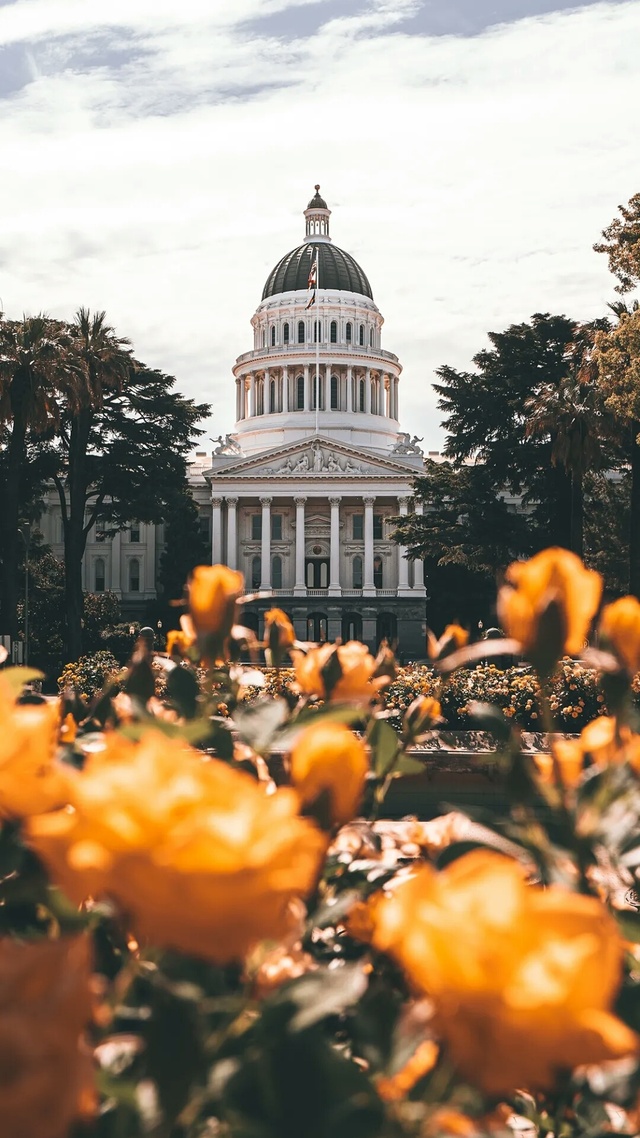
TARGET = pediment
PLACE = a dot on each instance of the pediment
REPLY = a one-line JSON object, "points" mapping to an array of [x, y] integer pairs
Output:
{"points": [[317, 457]]}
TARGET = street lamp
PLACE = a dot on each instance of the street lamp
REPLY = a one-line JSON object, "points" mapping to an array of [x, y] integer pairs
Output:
{"points": [[25, 533]]}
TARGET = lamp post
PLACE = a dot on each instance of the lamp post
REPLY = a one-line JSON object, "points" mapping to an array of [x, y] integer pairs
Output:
{"points": [[25, 533]]}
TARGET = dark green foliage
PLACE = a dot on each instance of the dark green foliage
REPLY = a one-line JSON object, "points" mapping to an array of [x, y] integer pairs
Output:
{"points": [[184, 548]]}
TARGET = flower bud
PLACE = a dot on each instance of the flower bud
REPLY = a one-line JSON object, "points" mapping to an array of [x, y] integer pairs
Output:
{"points": [[620, 627], [453, 638], [213, 591], [279, 635], [328, 769], [421, 716]]}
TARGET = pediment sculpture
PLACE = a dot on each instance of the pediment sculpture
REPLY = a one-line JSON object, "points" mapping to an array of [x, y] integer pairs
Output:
{"points": [[317, 460]]}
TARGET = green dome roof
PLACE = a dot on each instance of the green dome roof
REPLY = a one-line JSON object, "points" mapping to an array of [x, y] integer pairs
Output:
{"points": [[336, 270]]}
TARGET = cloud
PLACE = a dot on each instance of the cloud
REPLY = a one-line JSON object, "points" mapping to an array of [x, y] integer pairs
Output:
{"points": [[161, 156]]}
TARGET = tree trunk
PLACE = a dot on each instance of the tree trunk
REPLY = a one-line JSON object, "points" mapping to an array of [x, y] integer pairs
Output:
{"points": [[577, 514], [634, 534], [16, 459], [560, 510], [74, 536]]}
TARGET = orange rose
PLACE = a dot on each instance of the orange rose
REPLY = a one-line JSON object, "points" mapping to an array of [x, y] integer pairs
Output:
{"points": [[278, 627], [396, 1087], [522, 980], [620, 626], [602, 740], [45, 1005], [553, 577], [345, 672], [420, 717], [327, 761], [453, 638], [197, 855], [213, 592], [31, 781]]}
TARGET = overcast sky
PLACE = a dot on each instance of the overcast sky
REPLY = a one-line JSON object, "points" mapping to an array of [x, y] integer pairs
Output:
{"points": [[156, 156]]}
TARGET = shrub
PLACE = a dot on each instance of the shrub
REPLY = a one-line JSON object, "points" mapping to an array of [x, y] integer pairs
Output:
{"points": [[89, 674]]}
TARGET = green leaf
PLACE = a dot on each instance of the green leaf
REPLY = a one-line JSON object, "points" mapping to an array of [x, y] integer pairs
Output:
{"points": [[17, 678], [383, 741], [324, 993], [407, 765], [257, 725]]}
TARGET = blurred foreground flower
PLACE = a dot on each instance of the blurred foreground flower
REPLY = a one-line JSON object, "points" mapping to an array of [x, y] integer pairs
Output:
{"points": [[279, 636], [197, 855], [31, 781], [345, 672], [620, 627], [522, 980], [548, 604], [603, 741], [213, 592], [328, 769], [45, 1005], [453, 638]]}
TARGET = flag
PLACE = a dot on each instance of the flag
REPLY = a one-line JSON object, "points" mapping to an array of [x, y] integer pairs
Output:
{"points": [[313, 279]]}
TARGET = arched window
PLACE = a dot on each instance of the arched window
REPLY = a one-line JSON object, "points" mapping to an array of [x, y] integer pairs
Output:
{"points": [[348, 333], [374, 398], [314, 391], [335, 392], [98, 575], [351, 626], [317, 626], [361, 399], [370, 337], [377, 572], [285, 333], [256, 572], [301, 331], [272, 396], [387, 628], [264, 337], [276, 572], [273, 335], [361, 338], [260, 397], [333, 332], [356, 576], [300, 393], [317, 331], [134, 575]]}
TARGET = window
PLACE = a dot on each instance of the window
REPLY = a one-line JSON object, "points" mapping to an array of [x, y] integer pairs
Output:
{"points": [[272, 396], [387, 628], [358, 527], [285, 333], [256, 572], [276, 572], [98, 575], [264, 337], [351, 626], [357, 573], [348, 333], [273, 335], [377, 527], [256, 527], [301, 331], [300, 393], [134, 575], [361, 400], [370, 337], [314, 392], [317, 331], [377, 572], [276, 527], [334, 392], [361, 338], [333, 332], [317, 626], [204, 525], [260, 397]]}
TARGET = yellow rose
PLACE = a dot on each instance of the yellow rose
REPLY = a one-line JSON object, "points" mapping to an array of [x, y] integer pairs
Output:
{"points": [[212, 593], [31, 781], [522, 980], [554, 576], [45, 1005], [328, 761], [278, 628], [345, 672], [198, 857], [178, 642], [620, 626]]}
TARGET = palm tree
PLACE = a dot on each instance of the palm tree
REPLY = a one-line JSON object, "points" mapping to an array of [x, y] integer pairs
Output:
{"points": [[34, 373], [571, 414], [101, 362]]}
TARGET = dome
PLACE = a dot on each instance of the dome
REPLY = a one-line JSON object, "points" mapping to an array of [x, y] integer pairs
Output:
{"points": [[336, 270], [317, 202]]}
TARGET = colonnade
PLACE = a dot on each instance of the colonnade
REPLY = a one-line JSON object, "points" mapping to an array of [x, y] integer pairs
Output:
{"points": [[293, 388], [335, 585]]}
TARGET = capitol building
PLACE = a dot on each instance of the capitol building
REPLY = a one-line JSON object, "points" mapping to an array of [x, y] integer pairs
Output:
{"points": [[299, 495]]}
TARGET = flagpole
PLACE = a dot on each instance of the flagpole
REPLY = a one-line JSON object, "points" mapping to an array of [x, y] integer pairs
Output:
{"points": [[318, 330]]}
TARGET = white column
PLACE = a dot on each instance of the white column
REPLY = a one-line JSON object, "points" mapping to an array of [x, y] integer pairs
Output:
{"points": [[403, 564], [232, 533], [418, 565], [150, 558], [350, 404], [367, 391], [267, 393], [216, 531], [300, 586], [285, 389], [395, 399], [368, 587], [334, 566], [307, 399], [116, 555], [252, 394], [266, 544]]}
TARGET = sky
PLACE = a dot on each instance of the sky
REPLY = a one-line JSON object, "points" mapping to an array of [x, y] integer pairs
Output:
{"points": [[156, 158]]}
